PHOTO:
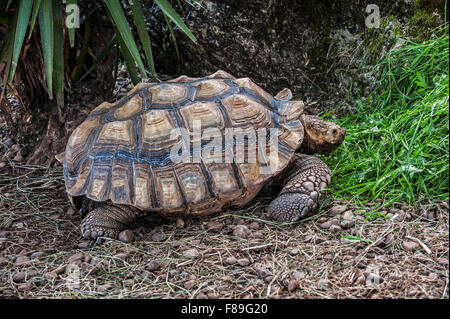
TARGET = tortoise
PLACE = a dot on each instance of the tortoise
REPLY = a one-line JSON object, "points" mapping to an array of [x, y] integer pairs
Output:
{"points": [[151, 153]]}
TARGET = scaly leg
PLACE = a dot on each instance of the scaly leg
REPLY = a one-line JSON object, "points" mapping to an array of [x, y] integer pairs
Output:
{"points": [[300, 195], [108, 220]]}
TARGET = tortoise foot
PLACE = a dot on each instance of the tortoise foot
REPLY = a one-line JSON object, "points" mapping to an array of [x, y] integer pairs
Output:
{"points": [[291, 207]]}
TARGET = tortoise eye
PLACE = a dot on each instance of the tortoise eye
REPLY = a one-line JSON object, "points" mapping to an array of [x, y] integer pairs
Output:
{"points": [[334, 131]]}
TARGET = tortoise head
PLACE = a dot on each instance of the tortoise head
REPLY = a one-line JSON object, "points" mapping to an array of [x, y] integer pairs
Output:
{"points": [[321, 137]]}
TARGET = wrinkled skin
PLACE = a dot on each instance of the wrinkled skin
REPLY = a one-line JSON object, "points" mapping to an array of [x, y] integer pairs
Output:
{"points": [[303, 181]]}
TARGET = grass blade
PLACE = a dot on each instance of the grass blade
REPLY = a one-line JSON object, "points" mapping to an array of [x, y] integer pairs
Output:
{"points": [[58, 56], [141, 27], [46, 26], [123, 31], [36, 6], [173, 15], [21, 29], [173, 36]]}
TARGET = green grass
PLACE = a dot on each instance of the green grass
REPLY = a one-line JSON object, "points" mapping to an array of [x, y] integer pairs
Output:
{"points": [[397, 143]]}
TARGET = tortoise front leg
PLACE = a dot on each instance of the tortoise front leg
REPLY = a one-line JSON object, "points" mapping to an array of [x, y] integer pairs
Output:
{"points": [[300, 195], [108, 220]]}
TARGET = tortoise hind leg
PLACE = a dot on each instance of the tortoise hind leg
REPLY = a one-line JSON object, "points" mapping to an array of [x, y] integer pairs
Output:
{"points": [[108, 220], [299, 197]]}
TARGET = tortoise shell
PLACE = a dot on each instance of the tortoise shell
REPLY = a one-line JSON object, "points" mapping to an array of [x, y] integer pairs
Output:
{"points": [[124, 151]]}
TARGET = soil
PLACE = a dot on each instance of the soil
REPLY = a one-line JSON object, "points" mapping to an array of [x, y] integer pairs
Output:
{"points": [[345, 251]]}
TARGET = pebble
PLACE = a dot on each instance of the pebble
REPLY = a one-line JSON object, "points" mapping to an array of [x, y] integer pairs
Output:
{"points": [[50, 276], [410, 245], [20, 276], [60, 269], [191, 253], [257, 235], [335, 229], [348, 215], [2, 164], [189, 284], [338, 209], [241, 231], [159, 237], [84, 244], [299, 275], [76, 257], [37, 254], [22, 261], [201, 295], [254, 226], [243, 261], [126, 236], [3, 261], [25, 286], [443, 261], [214, 225], [292, 285], [322, 284], [104, 288], [294, 251], [18, 157], [230, 260], [346, 224], [373, 280], [180, 223], [329, 223], [15, 147], [122, 256], [153, 265]]}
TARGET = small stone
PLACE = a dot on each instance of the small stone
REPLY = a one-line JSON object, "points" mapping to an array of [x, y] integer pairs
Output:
{"points": [[294, 251], [71, 212], [410, 245], [243, 261], [361, 280], [191, 253], [254, 226], [126, 236], [104, 288], [338, 209], [3, 261], [152, 265], [346, 224], [76, 257], [122, 256], [18, 157], [299, 275], [348, 215], [180, 223], [37, 254], [20, 276], [189, 284], [214, 225], [292, 285], [2, 164], [24, 287], [230, 260], [22, 261], [372, 280], [201, 295], [335, 229], [257, 235], [322, 284], [84, 244], [60, 269], [50, 276], [241, 231], [443, 261], [159, 237]]}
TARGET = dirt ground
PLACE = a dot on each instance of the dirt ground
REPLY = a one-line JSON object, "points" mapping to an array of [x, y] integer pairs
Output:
{"points": [[345, 251]]}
